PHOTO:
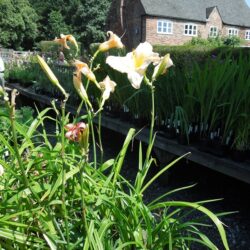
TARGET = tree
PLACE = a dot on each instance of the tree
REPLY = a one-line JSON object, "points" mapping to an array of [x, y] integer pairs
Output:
{"points": [[89, 20], [18, 27], [56, 25]]}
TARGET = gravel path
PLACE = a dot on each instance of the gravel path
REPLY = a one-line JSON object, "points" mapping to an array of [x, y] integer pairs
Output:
{"points": [[209, 185]]}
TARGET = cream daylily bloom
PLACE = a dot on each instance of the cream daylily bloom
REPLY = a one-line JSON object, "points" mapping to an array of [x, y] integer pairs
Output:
{"points": [[135, 63], [165, 63], [63, 41], [85, 70], [107, 86], [113, 42]]}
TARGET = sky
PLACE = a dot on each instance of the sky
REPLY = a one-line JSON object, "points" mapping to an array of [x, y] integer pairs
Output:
{"points": [[248, 2]]}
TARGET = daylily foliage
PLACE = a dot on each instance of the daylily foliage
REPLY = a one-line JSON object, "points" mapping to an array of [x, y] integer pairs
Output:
{"points": [[83, 204]]}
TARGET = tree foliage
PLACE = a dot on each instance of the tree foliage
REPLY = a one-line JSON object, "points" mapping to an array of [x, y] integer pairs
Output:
{"points": [[25, 22], [18, 24], [85, 19], [89, 20]]}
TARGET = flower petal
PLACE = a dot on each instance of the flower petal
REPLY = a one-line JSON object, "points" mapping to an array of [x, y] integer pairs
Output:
{"points": [[135, 79], [69, 126], [122, 64]]}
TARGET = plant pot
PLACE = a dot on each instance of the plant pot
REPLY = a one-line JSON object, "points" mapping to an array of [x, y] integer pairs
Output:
{"points": [[170, 133], [194, 138], [238, 155], [182, 139], [203, 145], [140, 122], [217, 149], [125, 116]]}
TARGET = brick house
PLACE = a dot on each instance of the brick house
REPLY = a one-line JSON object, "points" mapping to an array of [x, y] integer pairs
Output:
{"points": [[174, 22]]}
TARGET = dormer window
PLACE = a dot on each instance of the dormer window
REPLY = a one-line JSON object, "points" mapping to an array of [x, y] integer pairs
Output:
{"points": [[190, 29], [164, 27], [233, 32], [213, 31], [247, 35]]}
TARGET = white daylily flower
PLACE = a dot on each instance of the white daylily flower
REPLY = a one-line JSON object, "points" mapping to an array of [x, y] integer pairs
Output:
{"points": [[135, 63]]}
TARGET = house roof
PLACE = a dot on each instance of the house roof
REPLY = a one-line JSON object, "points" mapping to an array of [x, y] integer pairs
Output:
{"points": [[233, 12], [209, 11]]}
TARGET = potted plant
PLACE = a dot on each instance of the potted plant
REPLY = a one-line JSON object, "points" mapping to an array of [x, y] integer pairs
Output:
{"points": [[241, 143]]}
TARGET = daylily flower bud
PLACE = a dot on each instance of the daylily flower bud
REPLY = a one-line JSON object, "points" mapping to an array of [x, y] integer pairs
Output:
{"points": [[80, 88], [78, 133], [113, 42], [162, 67], [50, 74]]}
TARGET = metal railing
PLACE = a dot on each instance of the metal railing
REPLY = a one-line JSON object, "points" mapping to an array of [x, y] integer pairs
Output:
{"points": [[9, 55]]}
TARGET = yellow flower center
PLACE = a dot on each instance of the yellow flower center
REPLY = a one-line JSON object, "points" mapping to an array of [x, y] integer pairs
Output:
{"points": [[139, 59]]}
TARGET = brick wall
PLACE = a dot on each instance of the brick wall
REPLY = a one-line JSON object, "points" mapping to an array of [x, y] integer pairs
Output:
{"points": [[214, 20], [241, 34], [177, 38]]}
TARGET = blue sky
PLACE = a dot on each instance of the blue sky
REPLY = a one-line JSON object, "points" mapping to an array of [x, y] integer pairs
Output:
{"points": [[248, 2]]}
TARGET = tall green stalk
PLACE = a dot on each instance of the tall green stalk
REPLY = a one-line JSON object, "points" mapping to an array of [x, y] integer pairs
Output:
{"points": [[11, 108], [151, 131], [64, 207]]}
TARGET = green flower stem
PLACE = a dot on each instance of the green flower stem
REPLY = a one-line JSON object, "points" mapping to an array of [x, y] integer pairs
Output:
{"points": [[100, 136], [90, 122], [79, 109], [81, 168], [11, 107], [64, 207], [150, 140]]}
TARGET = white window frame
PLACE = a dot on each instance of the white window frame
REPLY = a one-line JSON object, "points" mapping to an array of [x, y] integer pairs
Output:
{"points": [[247, 35], [189, 27], [213, 31], [164, 27], [233, 32]]}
